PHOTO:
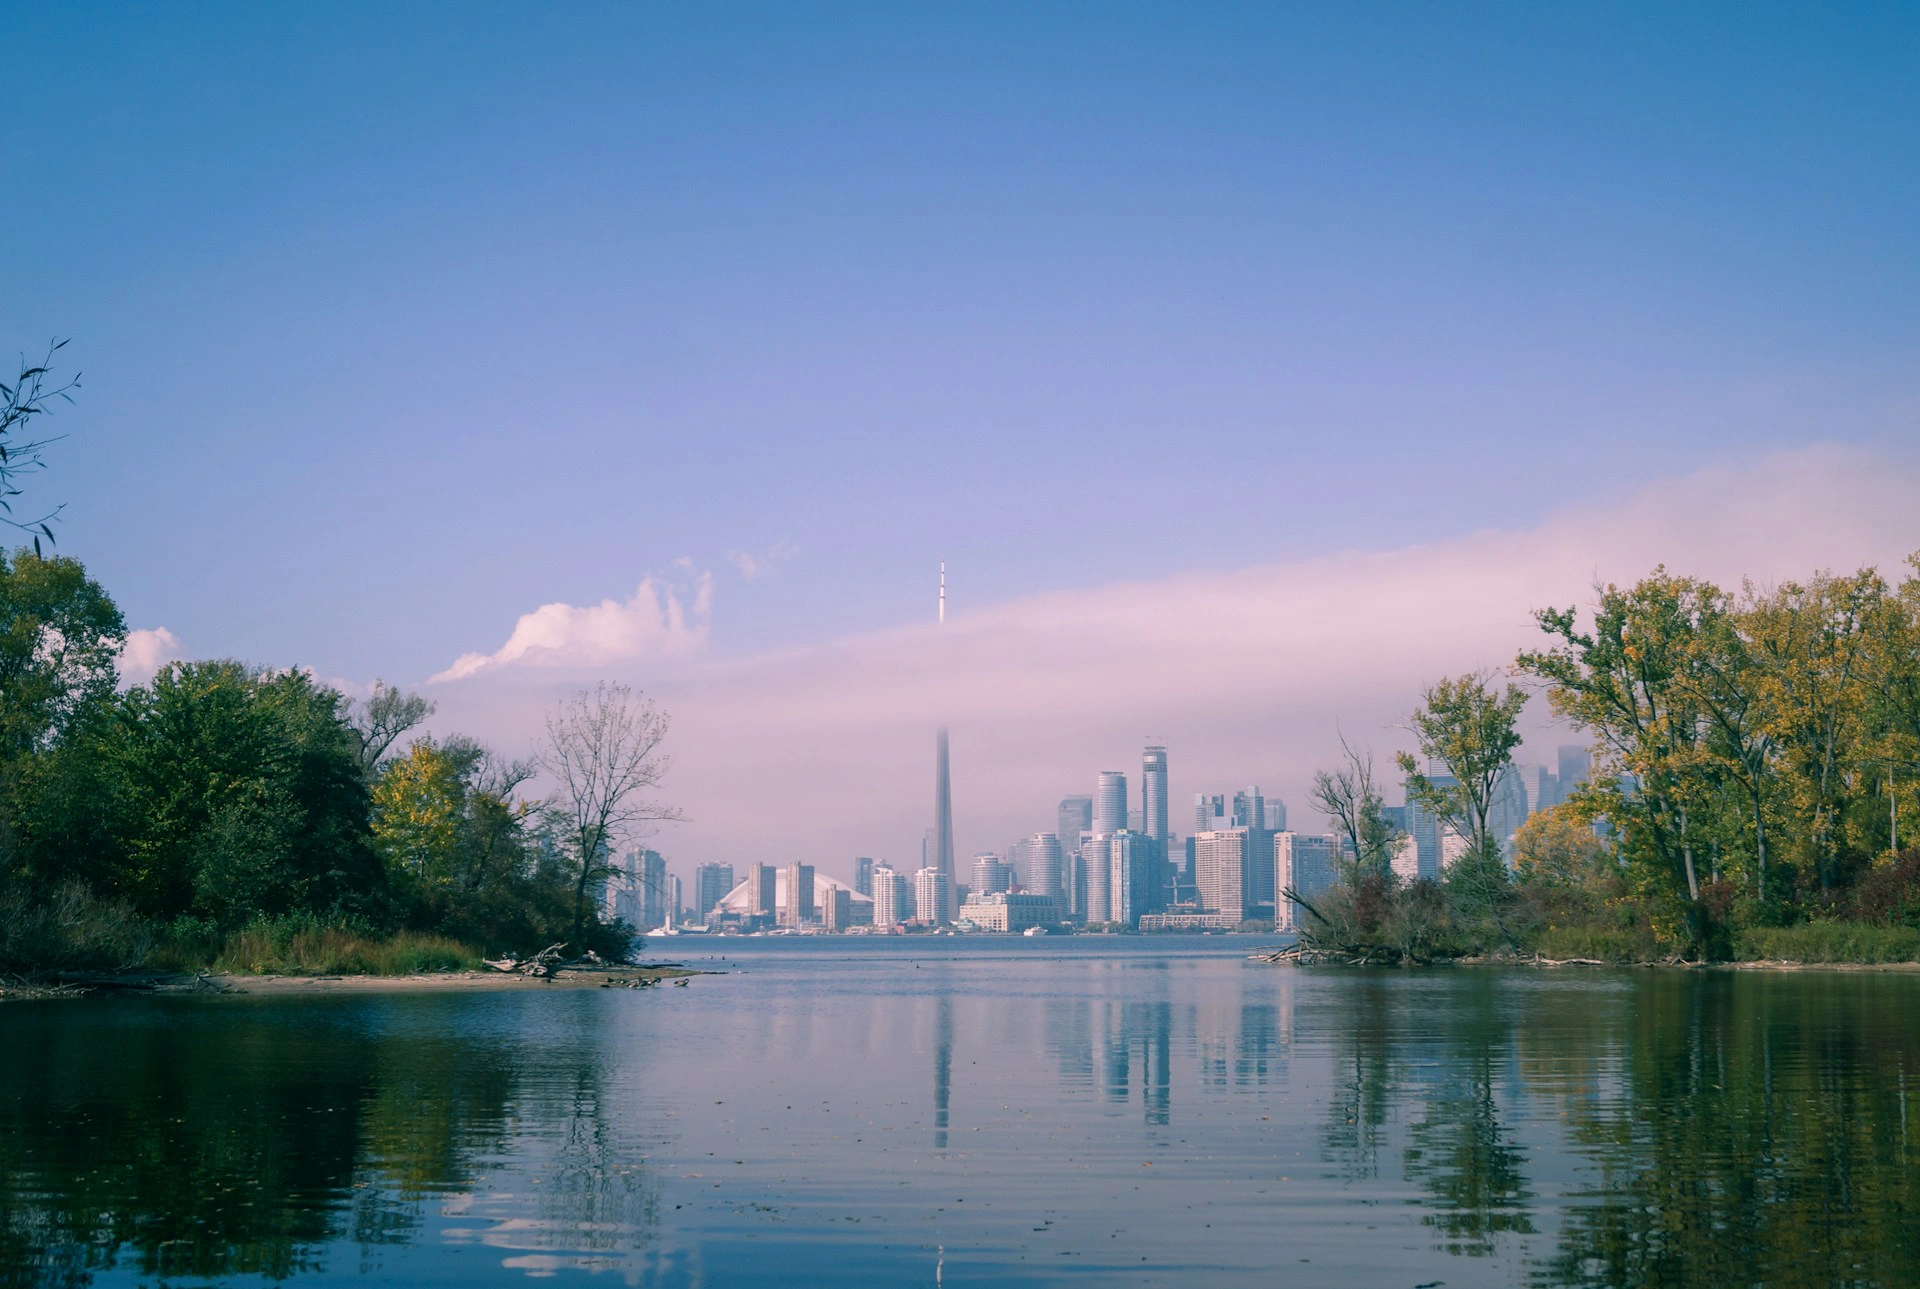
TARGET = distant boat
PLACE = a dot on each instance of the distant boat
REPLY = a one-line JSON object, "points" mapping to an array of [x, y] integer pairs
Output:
{"points": [[1034, 930]]}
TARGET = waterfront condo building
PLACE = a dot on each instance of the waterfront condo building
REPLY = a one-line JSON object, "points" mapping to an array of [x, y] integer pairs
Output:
{"points": [[892, 897], [1133, 885], [1220, 871], [932, 896], [711, 882], [798, 909]]}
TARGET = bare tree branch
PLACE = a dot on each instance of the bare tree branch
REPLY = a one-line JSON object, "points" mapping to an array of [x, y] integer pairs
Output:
{"points": [[604, 751]]}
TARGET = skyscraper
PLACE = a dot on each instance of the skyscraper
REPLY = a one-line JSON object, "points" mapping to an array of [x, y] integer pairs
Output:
{"points": [[1076, 814], [932, 897], [1097, 856], [799, 909], [863, 875], [1046, 867], [1153, 795], [990, 875], [1208, 810], [1131, 889], [1250, 812], [1576, 763], [711, 882], [763, 877], [836, 908], [892, 897], [1220, 870], [1110, 802]]}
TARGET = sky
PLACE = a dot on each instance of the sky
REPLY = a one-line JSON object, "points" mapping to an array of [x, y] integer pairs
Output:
{"points": [[1249, 365]]}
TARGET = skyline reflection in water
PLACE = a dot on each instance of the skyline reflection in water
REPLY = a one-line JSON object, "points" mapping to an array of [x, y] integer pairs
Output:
{"points": [[1100, 1110]]}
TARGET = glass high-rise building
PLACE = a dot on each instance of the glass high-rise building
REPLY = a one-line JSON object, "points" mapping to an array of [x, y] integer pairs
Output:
{"points": [[711, 882], [1131, 886], [1276, 815], [761, 894], [863, 875], [1575, 763], [1153, 795], [1209, 811], [1110, 802], [1076, 817], [1097, 854], [1046, 866]]}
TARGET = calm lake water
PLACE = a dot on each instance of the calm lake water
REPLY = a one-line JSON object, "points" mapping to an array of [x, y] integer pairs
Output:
{"points": [[1084, 1110]]}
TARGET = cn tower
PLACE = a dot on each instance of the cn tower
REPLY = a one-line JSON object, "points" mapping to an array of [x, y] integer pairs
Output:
{"points": [[943, 787]]}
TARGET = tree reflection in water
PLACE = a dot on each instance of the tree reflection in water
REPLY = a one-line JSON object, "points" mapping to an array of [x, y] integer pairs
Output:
{"points": [[213, 1139], [1714, 1127], [1759, 1132]]}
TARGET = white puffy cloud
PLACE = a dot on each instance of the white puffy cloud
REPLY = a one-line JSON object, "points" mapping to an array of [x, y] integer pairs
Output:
{"points": [[145, 652], [656, 622], [1247, 675]]}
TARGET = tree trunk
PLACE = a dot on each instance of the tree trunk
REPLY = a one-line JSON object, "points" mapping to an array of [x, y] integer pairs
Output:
{"points": [[1686, 855]]}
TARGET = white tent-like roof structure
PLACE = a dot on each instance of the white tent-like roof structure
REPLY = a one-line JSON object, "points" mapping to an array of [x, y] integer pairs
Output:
{"points": [[740, 899]]}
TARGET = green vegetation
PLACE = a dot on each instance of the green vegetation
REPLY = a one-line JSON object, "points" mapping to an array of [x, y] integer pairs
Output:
{"points": [[229, 817], [1754, 755]]}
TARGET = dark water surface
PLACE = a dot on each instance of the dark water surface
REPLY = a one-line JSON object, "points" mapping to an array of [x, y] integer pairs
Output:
{"points": [[1080, 1110]]}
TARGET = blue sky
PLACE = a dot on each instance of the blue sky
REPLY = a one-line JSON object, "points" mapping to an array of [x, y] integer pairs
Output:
{"points": [[401, 321]]}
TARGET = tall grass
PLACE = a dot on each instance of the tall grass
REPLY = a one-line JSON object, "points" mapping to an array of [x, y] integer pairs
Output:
{"points": [[1604, 943], [68, 929], [307, 946], [1829, 942]]}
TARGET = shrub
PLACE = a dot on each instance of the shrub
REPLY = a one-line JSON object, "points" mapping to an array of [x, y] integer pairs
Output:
{"points": [[1889, 893], [1829, 942], [68, 928], [1607, 944]]}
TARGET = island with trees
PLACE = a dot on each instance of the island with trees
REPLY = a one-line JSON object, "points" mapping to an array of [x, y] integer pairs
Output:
{"points": [[1754, 752]]}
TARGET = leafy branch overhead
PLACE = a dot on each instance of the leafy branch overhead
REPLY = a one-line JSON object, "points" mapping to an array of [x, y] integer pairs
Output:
{"points": [[31, 395]]}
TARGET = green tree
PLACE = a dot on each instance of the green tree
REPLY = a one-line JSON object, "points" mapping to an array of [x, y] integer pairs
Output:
{"points": [[1469, 728], [60, 635], [1814, 648], [232, 791], [1628, 681]]}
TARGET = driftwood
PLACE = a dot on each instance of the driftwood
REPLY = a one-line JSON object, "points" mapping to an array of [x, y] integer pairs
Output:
{"points": [[154, 982], [545, 964]]}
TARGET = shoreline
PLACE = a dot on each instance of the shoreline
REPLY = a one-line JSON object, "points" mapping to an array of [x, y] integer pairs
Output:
{"points": [[1290, 959], [230, 984]]}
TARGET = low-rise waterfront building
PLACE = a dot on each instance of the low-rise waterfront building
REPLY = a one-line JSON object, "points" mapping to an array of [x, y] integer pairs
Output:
{"points": [[1009, 911]]}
